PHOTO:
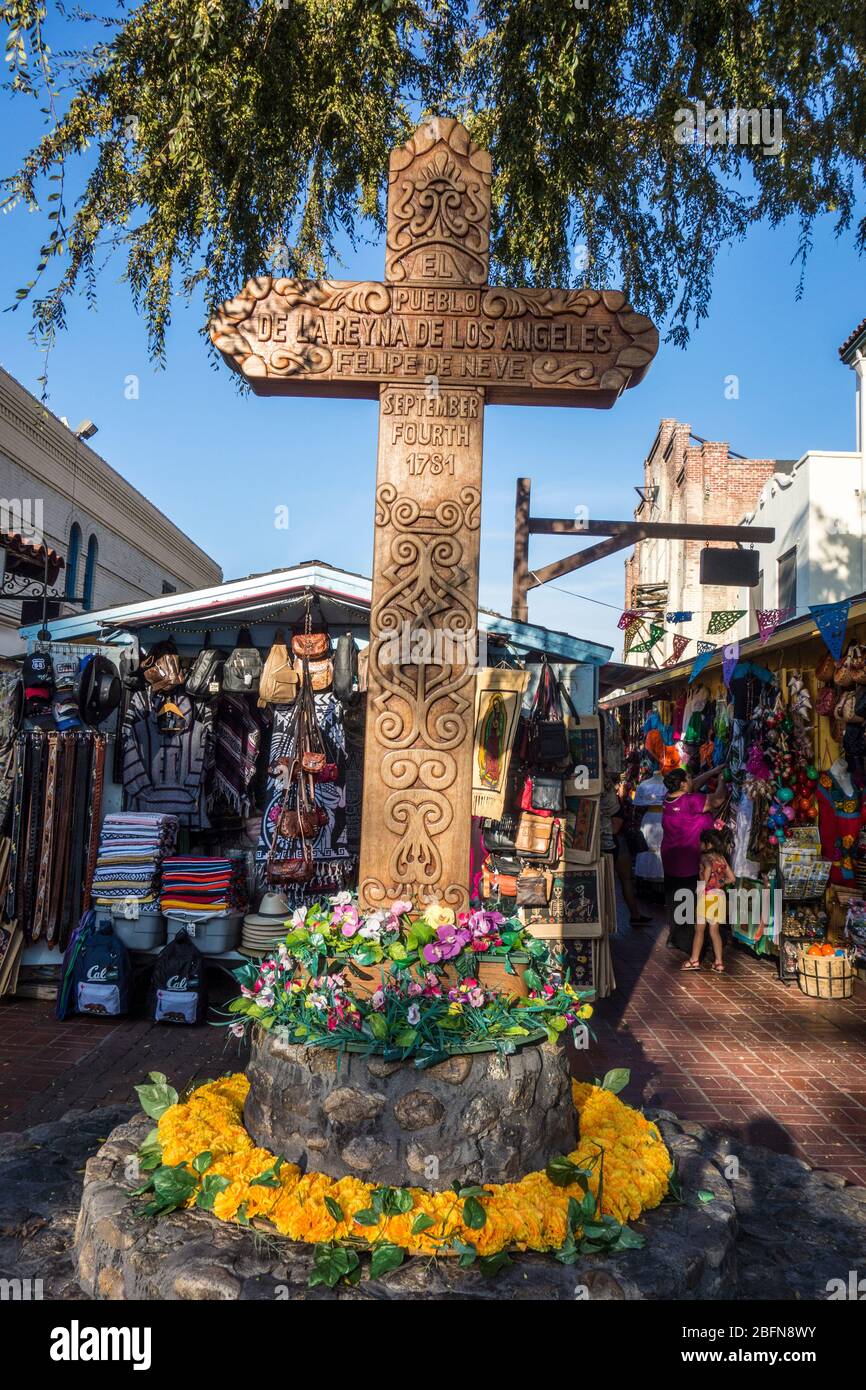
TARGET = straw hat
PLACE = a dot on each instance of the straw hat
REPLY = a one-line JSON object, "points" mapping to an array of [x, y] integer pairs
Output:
{"points": [[263, 929]]}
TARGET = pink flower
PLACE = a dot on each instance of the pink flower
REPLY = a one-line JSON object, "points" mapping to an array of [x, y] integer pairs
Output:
{"points": [[415, 988], [347, 918], [476, 998], [377, 1000], [237, 1029], [413, 1014], [400, 908]]}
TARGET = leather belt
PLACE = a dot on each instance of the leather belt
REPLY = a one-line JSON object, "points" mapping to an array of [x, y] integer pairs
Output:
{"points": [[46, 841]]}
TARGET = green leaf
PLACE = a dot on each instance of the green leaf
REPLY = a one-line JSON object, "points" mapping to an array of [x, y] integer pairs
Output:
{"points": [[335, 1209], [384, 1258], [422, 1222], [367, 1217], [474, 1215], [616, 1080], [241, 1217], [466, 1252], [629, 1240], [490, 1265], [532, 978], [270, 1177], [562, 1172], [378, 1026], [406, 1037], [158, 1098], [706, 1196], [202, 1161], [212, 1183]]}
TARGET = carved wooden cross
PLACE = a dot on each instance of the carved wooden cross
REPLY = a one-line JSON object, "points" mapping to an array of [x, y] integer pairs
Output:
{"points": [[434, 344]]}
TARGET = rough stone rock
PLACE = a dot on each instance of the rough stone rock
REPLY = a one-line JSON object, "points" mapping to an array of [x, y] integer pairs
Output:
{"points": [[418, 1110], [346, 1106], [364, 1154], [478, 1118]]}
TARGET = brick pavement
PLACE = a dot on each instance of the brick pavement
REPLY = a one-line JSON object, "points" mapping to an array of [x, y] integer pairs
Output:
{"points": [[739, 1052]]}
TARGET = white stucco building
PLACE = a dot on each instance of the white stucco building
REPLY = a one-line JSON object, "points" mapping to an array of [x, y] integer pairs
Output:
{"points": [[54, 489], [817, 508]]}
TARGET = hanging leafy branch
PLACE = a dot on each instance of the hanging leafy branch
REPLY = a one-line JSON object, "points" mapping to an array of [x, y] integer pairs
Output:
{"points": [[209, 140]]}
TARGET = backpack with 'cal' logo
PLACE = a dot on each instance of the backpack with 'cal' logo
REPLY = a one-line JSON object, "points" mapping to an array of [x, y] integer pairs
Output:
{"points": [[178, 991], [101, 974]]}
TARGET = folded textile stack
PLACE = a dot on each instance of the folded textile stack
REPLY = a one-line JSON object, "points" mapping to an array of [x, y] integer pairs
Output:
{"points": [[193, 883], [132, 847]]}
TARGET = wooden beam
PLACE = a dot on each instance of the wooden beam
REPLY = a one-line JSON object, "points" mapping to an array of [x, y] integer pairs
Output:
{"points": [[577, 561], [519, 583], [645, 530]]}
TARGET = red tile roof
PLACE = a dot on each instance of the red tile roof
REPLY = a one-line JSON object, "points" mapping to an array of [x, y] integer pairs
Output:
{"points": [[22, 552], [852, 338]]}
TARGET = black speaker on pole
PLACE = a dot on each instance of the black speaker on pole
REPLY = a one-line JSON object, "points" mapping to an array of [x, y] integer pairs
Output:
{"points": [[735, 568]]}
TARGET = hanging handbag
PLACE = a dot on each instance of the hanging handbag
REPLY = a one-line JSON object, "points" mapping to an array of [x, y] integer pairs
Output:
{"points": [[243, 669], [826, 668], [825, 702], [346, 670], [498, 835], [534, 888], [310, 644], [852, 669], [161, 667], [279, 681], [204, 679], [533, 835], [499, 877], [544, 795], [283, 871], [548, 743]]}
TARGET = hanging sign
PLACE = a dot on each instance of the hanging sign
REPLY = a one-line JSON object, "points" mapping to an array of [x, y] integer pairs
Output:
{"points": [[698, 664]]}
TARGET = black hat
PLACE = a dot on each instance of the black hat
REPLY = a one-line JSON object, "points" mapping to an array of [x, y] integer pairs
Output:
{"points": [[99, 689]]}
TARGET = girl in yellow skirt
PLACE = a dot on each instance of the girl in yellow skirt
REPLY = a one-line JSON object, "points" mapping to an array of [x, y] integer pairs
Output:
{"points": [[715, 876]]}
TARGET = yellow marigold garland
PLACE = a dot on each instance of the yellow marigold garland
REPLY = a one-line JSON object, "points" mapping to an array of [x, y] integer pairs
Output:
{"points": [[527, 1215]]}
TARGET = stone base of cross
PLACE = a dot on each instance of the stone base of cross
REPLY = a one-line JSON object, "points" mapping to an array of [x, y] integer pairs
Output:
{"points": [[435, 344]]}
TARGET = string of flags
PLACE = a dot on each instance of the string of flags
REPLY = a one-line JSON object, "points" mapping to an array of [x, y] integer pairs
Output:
{"points": [[706, 647], [769, 619], [831, 620], [680, 616], [723, 618], [679, 645]]}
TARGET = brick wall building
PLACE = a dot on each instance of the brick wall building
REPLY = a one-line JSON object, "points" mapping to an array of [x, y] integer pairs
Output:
{"points": [[688, 479]]}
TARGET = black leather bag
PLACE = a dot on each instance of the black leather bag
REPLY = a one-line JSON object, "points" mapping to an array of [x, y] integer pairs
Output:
{"points": [[546, 794], [498, 835], [205, 677], [243, 668], [345, 684], [534, 888]]}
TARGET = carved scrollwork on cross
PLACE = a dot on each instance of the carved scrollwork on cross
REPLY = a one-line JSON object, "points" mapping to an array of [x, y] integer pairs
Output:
{"points": [[439, 207]]}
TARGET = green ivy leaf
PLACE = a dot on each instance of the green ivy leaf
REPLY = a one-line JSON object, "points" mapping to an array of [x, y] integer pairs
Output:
{"points": [[616, 1080], [202, 1161], [212, 1183], [474, 1215], [367, 1217], [422, 1222], [385, 1257], [706, 1196], [158, 1097], [335, 1209], [562, 1172], [490, 1265]]}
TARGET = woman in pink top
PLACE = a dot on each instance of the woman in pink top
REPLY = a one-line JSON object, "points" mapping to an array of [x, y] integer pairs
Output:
{"points": [[685, 815]]}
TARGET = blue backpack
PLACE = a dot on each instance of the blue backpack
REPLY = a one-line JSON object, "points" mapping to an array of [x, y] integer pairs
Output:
{"points": [[97, 972]]}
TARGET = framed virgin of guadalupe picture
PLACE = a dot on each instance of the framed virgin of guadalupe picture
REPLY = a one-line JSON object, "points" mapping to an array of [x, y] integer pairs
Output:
{"points": [[584, 738]]}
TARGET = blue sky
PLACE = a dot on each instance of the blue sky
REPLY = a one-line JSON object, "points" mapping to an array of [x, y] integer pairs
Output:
{"points": [[219, 463]]}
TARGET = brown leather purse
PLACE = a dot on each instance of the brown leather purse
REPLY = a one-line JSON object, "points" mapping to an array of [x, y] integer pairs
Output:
{"points": [[533, 835], [534, 888], [310, 644]]}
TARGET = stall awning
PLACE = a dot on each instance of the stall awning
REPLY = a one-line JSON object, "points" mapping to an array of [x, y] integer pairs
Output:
{"points": [[278, 598]]}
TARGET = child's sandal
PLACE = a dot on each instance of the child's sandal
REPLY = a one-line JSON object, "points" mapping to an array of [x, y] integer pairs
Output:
{"points": [[692, 965], [718, 967]]}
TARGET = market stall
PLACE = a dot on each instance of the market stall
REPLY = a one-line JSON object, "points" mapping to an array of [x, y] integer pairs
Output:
{"points": [[782, 717], [191, 813]]}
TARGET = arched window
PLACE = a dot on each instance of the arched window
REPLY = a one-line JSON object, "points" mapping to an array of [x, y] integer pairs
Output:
{"points": [[72, 552], [90, 570]]}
